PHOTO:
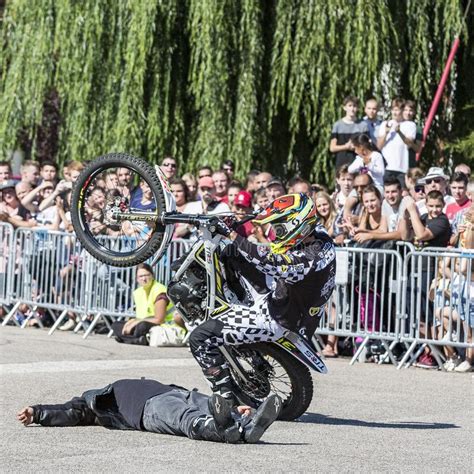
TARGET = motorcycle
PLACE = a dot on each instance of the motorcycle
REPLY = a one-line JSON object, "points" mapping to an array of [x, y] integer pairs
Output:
{"points": [[133, 219]]}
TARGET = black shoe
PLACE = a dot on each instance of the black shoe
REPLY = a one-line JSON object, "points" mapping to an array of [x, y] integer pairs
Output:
{"points": [[221, 410], [265, 415]]}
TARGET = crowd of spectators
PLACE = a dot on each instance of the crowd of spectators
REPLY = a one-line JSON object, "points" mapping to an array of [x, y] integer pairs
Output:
{"points": [[381, 195]]}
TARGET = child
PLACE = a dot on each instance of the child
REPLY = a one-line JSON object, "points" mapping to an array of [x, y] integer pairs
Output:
{"points": [[344, 130], [369, 158]]}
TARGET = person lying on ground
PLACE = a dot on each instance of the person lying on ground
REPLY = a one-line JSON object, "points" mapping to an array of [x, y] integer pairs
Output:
{"points": [[148, 405]]}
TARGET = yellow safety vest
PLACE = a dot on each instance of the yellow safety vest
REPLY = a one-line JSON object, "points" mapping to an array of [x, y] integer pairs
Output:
{"points": [[145, 304]]}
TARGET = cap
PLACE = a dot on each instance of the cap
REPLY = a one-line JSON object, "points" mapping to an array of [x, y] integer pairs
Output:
{"points": [[274, 181], [434, 172], [10, 183], [243, 199], [206, 182]]}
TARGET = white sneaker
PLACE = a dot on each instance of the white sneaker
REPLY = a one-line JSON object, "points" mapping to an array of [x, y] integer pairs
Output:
{"points": [[451, 364], [69, 325], [464, 367]]}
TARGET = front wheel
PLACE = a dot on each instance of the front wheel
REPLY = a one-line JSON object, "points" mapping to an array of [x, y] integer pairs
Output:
{"points": [[269, 369], [115, 208]]}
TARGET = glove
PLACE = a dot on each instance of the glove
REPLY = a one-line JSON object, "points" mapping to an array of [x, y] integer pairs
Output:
{"points": [[222, 229]]}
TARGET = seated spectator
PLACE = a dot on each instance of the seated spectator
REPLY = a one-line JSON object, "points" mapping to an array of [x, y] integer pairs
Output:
{"points": [[169, 167], [221, 184], [152, 307], [234, 188], [372, 219], [228, 168], [326, 211], [344, 182], [435, 180], [458, 187], [344, 130], [11, 209], [191, 183], [367, 158], [5, 171], [394, 137], [275, 189]]}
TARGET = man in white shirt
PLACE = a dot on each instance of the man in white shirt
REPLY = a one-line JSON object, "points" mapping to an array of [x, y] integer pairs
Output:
{"points": [[208, 203], [435, 180], [393, 138]]}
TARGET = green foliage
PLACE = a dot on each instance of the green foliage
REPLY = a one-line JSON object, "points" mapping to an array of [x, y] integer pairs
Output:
{"points": [[259, 82]]}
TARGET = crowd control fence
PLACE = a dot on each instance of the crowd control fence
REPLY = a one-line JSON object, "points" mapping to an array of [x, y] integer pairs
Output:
{"points": [[396, 298]]}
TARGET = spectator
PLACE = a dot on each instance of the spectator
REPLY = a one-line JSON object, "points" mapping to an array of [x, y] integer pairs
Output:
{"points": [[30, 173], [391, 204], [221, 184], [234, 188], [5, 171], [261, 199], [191, 183], [367, 158], [275, 189], [147, 202], [431, 229], [124, 182], [300, 185], [372, 219], [169, 167], [262, 180], [326, 211], [414, 146], [111, 180], [181, 193], [373, 122], [411, 180], [463, 168], [242, 207], [435, 180], [74, 169], [11, 209], [62, 188], [461, 219], [458, 187], [94, 210], [393, 139], [228, 168], [205, 171], [49, 172], [344, 182], [49, 217], [250, 183], [152, 307], [207, 204], [343, 131]]}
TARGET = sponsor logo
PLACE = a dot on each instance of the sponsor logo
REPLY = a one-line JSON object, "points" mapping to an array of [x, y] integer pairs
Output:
{"points": [[314, 310]]}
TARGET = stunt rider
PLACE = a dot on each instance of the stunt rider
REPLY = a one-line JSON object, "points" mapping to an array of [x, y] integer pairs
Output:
{"points": [[296, 274]]}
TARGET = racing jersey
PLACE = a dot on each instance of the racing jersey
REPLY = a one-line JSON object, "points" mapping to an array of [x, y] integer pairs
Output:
{"points": [[300, 281]]}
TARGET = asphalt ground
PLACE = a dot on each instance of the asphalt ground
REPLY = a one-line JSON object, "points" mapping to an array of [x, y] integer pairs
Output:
{"points": [[362, 418]]}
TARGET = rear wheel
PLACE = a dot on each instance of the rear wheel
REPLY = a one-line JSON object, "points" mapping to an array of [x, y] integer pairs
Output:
{"points": [[270, 369], [115, 206]]}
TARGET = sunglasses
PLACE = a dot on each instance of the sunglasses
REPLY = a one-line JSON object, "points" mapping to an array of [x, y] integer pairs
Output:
{"points": [[434, 180], [419, 189], [169, 164]]}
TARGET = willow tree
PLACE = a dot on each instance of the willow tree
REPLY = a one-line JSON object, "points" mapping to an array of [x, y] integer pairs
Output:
{"points": [[257, 82]]}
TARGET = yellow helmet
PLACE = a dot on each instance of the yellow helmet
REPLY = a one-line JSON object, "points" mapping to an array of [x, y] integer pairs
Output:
{"points": [[293, 217]]}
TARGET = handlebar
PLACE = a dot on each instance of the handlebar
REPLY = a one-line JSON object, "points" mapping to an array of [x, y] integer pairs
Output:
{"points": [[199, 220]]}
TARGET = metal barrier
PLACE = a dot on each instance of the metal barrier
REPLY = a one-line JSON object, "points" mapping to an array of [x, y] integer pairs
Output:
{"points": [[381, 295]]}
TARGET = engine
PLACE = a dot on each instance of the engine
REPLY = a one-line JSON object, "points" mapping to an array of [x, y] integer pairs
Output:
{"points": [[189, 293]]}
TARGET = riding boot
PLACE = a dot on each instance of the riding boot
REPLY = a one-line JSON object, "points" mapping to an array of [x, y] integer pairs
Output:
{"points": [[256, 424], [221, 383], [207, 428]]}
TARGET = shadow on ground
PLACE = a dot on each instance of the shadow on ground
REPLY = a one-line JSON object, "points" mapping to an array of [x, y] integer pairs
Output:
{"points": [[411, 425]]}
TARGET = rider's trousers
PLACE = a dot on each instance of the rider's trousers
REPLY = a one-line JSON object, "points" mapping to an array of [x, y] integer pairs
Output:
{"points": [[240, 325]]}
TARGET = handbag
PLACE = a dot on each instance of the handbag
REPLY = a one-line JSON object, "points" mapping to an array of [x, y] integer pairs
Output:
{"points": [[166, 335]]}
